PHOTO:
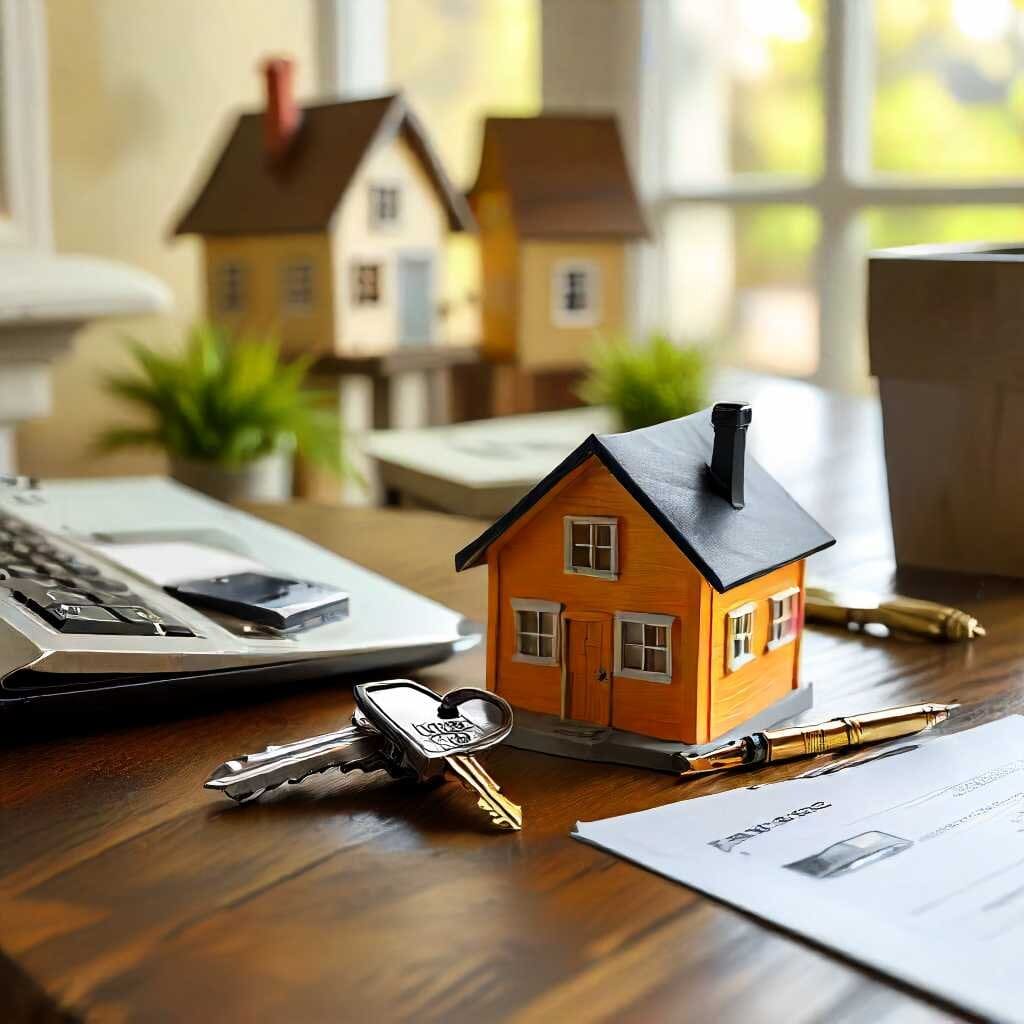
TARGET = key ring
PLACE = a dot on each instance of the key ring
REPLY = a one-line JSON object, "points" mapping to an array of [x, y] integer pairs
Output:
{"points": [[449, 706]]}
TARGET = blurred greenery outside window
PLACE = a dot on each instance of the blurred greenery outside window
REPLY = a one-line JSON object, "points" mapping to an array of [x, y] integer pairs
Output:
{"points": [[744, 181], [458, 61]]}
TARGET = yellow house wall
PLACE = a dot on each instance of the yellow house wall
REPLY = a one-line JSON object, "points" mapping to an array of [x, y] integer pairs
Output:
{"points": [[499, 260], [422, 229], [736, 695], [543, 345], [654, 576], [264, 259]]}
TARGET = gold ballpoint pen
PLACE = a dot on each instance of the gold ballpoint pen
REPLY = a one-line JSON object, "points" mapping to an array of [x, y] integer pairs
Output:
{"points": [[820, 738]]}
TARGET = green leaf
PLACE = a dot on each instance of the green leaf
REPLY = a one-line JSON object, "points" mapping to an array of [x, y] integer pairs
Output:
{"points": [[227, 400]]}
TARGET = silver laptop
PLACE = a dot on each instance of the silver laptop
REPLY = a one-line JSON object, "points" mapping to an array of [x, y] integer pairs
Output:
{"points": [[110, 586]]}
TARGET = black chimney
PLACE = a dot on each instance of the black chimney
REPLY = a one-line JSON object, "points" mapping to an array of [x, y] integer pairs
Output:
{"points": [[728, 459]]}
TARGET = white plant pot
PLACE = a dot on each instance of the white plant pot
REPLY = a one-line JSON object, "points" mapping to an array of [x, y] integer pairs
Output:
{"points": [[265, 479]]}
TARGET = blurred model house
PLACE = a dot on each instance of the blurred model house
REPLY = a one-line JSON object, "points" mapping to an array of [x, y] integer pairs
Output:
{"points": [[326, 224], [556, 209]]}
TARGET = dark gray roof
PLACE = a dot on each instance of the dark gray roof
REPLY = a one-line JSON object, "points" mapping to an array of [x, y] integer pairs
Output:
{"points": [[665, 468]]}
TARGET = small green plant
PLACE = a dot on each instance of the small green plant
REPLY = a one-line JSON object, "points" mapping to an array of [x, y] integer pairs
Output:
{"points": [[225, 401], [646, 383]]}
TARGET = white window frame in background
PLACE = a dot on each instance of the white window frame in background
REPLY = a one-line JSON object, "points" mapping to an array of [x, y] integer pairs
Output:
{"points": [[25, 148], [783, 608], [359, 298], [846, 187], [298, 287], [393, 220], [590, 314], [552, 608], [667, 622], [231, 286], [734, 617], [568, 522]]}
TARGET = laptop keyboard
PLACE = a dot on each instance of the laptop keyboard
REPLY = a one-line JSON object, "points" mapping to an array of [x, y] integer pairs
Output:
{"points": [[70, 594]]}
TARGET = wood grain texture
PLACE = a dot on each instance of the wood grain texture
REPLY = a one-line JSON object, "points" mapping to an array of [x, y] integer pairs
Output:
{"points": [[129, 894], [739, 693], [654, 576]]}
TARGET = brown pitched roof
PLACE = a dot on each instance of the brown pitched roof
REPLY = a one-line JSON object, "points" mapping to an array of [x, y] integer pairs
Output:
{"points": [[248, 194], [566, 175]]}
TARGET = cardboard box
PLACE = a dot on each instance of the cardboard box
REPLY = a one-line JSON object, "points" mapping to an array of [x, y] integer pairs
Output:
{"points": [[946, 330]]}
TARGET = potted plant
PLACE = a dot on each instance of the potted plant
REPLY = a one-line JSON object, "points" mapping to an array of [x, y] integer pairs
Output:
{"points": [[646, 383], [229, 413]]}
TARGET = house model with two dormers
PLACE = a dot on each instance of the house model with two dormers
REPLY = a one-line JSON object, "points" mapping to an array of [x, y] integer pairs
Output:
{"points": [[652, 583], [325, 225]]}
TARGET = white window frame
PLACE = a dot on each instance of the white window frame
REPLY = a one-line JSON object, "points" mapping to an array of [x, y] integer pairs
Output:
{"points": [[568, 522], [644, 619], [528, 604], [231, 281], [590, 315], [357, 266], [26, 223], [733, 617], [841, 194], [376, 189], [776, 605], [298, 299]]}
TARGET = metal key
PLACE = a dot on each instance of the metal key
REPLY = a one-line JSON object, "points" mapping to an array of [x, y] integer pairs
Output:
{"points": [[399, 727]]}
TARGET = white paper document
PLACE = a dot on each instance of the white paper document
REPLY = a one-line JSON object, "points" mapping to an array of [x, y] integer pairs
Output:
{"points": [[912, 862]]}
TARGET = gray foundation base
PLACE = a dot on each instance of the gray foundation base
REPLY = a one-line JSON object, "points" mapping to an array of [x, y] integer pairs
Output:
{"points": [[548, 734]]}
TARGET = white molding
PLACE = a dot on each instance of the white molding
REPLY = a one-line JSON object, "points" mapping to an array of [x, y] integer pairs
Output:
{"points": [[732, 617], [25, 148], [646, 619], [568, 522], [353, 57], [529, 604], [579, 318]]}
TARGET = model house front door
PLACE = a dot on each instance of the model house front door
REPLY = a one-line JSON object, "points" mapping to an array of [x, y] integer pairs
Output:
{"points": [[415, 312], [589, 668]]}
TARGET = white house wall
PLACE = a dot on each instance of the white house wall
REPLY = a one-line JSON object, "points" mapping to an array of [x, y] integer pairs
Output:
{"points": [[421, 230]]}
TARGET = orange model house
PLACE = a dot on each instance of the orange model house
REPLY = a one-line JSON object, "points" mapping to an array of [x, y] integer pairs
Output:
{"points": [[651, 583], [556, 209]]}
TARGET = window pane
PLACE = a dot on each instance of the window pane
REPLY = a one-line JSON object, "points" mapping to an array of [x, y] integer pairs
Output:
{"points": [[546, 647], [603, 559], [528, 644], [632, 633], [603, 536], [633, 657], [949, 88], [581, 533], [654, 636], [742, 282], [654, 661], [581, 557], [547, 623], [743, 87], [528, 622], [910, 225]]}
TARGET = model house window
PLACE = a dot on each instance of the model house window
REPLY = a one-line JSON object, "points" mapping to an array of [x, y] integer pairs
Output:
{"points": [[536, 630], [740, 637], [575, 294], [298, 287], [366, 284], [643, 646], [384, 207], [782, 624], [231, 288], [592, 546]]}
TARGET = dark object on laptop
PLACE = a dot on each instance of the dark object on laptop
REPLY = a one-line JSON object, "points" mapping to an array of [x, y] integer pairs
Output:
{"points": [[274, 601]]}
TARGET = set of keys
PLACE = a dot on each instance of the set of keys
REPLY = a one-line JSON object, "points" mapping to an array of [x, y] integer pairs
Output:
{"points": [[399, 727]]}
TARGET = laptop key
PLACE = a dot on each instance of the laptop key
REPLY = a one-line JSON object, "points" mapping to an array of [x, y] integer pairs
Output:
{"points": [[90, 618], [136, 613]]}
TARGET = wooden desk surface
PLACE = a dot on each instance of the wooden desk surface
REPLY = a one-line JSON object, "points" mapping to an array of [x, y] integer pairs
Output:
{"points": [[128, 893]]}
